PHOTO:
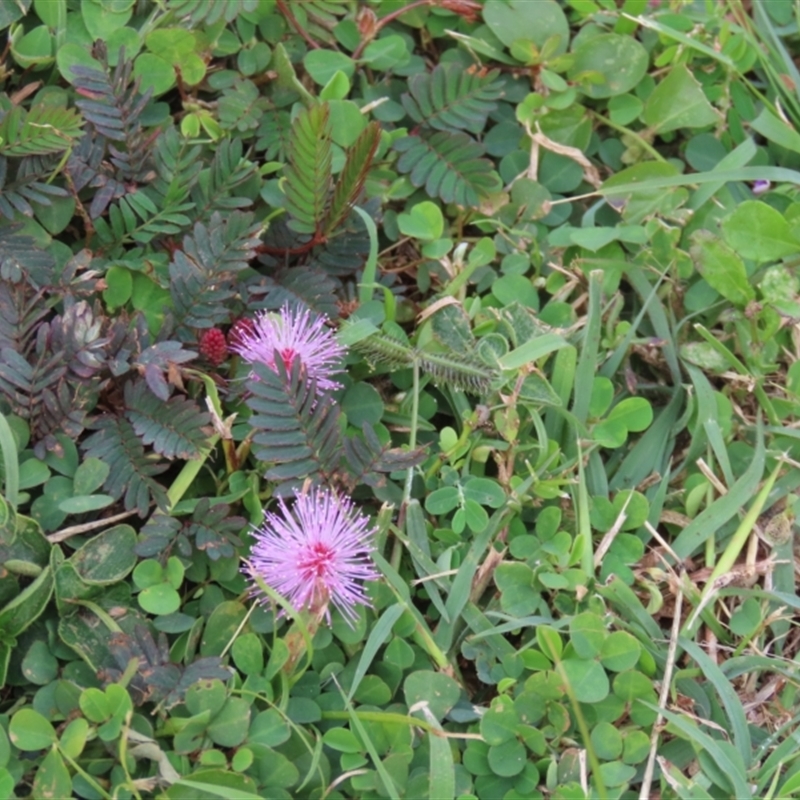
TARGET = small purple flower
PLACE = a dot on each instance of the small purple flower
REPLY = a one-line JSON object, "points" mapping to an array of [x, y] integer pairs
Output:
{"points": [[294, 335], [315, 554], [761, 186]]}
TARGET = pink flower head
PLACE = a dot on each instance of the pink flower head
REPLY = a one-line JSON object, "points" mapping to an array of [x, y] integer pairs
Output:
{"points": [[294, 335], [316, 554]]}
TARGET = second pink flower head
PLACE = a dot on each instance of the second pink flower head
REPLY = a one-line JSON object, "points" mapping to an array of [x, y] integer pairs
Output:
{"points": [[294, 335]]}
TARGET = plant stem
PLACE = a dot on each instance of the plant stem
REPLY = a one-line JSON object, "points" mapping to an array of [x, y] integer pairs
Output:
{"points": [[633, 134]]}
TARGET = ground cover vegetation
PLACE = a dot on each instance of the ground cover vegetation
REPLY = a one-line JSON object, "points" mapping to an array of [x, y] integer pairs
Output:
{"points": [[399, 399]]}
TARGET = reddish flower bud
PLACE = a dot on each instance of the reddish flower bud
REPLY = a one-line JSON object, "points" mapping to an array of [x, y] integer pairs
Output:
{"points": [[214, 346]]}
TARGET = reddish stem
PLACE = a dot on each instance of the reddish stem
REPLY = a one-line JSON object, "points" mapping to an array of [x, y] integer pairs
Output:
{"points": [[292, 20], [383, 21]]}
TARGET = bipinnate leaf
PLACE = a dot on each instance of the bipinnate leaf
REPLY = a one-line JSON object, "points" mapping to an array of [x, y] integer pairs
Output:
{"points": [[132, 470], [352, 177], [450, 98], [449, 166], [174, 428], [369, 461], [41, 131], [308, 174], [297, 431]]}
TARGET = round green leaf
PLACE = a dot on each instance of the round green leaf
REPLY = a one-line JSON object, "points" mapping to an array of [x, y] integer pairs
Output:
{"points": [[442, 501], [507, 759], [759, 232], [587, 634], [399, 653], [721, 267], [635, 413], [347, 122], [439, 691], [248, 653], [387, 53], [123, 37], [91, 473], [229, 727], [39, 665], [362, 404], [636, 747], [269, 728], [55, 216], [155, 72], [171, 44], [678, 102], [221, 627], [208, 696], [620, 651], [73, 739], [608, 64], [95, 705], [476, 516], [624, 108], [615, 773], [52, 778], [34, 48], [51, 13], [101, 20], [500, 723], [549, 641], [607, 741], [322, 65], [86, 503], [485, 491], [423, 221], [148, 573], [242, 759], [512, 20], [73, 54], [342, 740], [588, 680], [160, 599], [515, 288], [337, 88], [632, 685], [29, 730]]}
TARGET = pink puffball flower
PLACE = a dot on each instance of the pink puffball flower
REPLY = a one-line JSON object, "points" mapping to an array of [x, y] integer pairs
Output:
{"points": [[293, 334], [317, 553]]}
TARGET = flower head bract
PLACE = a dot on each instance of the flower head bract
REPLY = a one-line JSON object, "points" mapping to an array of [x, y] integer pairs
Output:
{"points": [[293, 335], [316, 553]]}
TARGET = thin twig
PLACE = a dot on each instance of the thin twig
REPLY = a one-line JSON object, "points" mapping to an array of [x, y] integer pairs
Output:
{"points": [[672, 653], [74, 530]]}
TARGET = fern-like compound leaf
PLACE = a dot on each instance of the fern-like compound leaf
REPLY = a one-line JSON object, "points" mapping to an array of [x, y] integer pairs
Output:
{"points": [[197, 12], [386, 350], [449, 166], [451, 99], [308, 174], [202, 275], [297, 433], [459, 371], [352, 177], [42, 131], [174, 428], [368, 460], [132, 470]]}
